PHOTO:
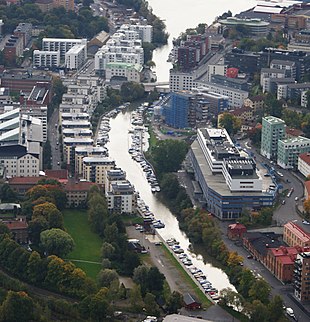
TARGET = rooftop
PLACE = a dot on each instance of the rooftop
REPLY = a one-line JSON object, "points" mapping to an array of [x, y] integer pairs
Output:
{"points": [[73, 185], [306, 158], [299, 139], [273, 120], [297, 231], [16, 224]]}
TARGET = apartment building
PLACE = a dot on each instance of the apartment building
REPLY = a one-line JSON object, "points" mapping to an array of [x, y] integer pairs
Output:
{"points": [[302, 277], [69, 145], [272, 131], [145, 31], [95, 169], [235, 96], [130, 72], [216, 69], [87, 151], [24, 31], [289, 150], [42, 59], [75, 57], [294, 235], [304, 164], [77, 192], [62, 45], [121, 197]]}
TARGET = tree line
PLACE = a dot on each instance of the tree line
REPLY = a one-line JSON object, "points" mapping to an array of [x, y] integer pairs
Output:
{"points": [[56, 22]]}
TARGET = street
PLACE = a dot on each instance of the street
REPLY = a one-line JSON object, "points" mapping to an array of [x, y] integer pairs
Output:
{"points": [[53, 136]]}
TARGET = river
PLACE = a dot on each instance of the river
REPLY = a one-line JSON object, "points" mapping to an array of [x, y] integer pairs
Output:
{"points": [[182, 14], [118, 150]]}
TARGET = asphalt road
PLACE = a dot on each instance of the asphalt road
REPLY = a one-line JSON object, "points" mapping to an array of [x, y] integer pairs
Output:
{"points": [[175, 281], [286, 212], [53, 136]]}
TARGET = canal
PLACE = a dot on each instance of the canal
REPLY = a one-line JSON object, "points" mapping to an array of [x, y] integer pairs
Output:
{"points": [[118, 150], [182, 14]]}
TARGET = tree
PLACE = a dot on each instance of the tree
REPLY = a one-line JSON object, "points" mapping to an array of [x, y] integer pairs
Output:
{"points": [[259, 312], [230, 122], [36, 270], [155, 280], [55, 219], [174, 302], [4, 229], [43, 209], [168, 155], [151, 307], [56, 241], [106, 277], [132, 91], [140, 277], [234, 259], [135, 298], [260, 290], [107, 250], [231, 298], [275, 308], [36, 226], [17, 306], [7, 194], [307, 207]]}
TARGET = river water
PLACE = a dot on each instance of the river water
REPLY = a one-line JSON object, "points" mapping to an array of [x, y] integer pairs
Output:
{"points": [[118, 150], [182, 14]]}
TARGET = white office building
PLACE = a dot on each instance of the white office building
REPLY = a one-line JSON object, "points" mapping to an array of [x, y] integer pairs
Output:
{"points": [[145, 31]]}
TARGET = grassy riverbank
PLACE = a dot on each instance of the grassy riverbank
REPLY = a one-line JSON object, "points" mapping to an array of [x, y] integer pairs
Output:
{"points": [[198, 292]]}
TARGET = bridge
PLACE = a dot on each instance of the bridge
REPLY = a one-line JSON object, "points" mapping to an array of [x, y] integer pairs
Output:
{"points": [[162, 87]]}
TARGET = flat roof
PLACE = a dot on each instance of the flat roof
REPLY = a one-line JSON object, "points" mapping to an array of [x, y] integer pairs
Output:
{"points": [[217, 181], [299, 139], [273, 120]]}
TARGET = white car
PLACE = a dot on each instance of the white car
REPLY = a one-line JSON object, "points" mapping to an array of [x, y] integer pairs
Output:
{"points": [[306, 222]]}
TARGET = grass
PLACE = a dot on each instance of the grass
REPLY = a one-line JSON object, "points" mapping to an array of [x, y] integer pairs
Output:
{"points": [[201, 296], [152, 140], [87, 243], [131, 220]]}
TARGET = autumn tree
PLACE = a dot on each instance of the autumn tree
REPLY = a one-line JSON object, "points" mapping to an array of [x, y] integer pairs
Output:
{"points": [[43, 209], [234, 259], [17, 306], [56, 241], [231, 123]]}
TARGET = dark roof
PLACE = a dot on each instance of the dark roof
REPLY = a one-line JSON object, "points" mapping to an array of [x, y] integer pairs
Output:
{"points": [[13, 150], [189, 299], [57, 174], [262, 241]]}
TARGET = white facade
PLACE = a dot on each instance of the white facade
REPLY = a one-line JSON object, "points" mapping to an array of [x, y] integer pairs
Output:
{"points": [[179, 81], [75, 57], [27, 165], [61, 44], [129, 71], [46, 58], [236, 96], [145, 31], [121, 198], [216, 70], [303, 166], [120, 49]]}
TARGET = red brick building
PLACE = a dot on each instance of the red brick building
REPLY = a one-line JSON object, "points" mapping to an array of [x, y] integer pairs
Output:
{"points": [[280, 262], [76, 192], [236, 231], [19, 229]]}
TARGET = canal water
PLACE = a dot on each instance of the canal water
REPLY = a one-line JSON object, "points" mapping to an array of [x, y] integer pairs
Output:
{"points": [[118, 150], [182, 14]]}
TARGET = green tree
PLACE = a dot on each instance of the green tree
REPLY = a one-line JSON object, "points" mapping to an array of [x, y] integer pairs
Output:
{"points": [[275, 308], [168, 155], [230, 122], [107, 250], [17, 306], [56, 241], [36, 270], [7, 194], [151, 307], [174, 302], [135, 299], [106, 277], [36, 226], [260, 290], [55, 219], [259, 312], [131, 91], [140, 277]]}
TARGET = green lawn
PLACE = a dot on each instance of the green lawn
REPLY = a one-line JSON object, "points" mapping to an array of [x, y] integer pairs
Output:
{"points": [[87, 243]]}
